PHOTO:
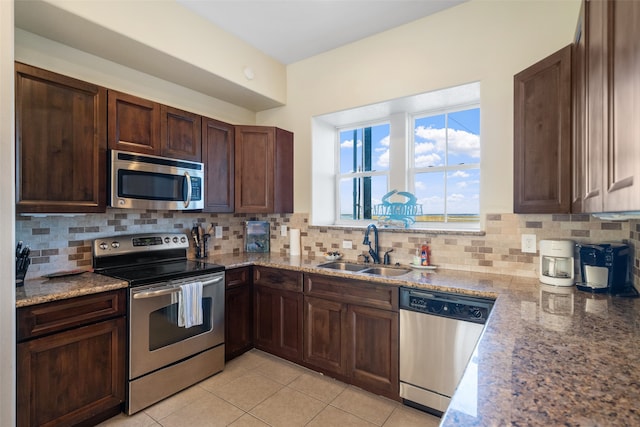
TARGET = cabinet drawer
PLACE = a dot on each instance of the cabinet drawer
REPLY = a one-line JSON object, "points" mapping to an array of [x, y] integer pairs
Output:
{"points": [[352, 291], [237, 277], [277, 278], [42, 319]]}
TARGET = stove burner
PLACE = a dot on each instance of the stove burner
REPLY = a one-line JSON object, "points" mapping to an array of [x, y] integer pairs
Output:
{"points": [[147, 258]]}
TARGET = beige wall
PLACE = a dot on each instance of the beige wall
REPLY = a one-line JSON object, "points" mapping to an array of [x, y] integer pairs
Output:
{"points": [[485, 41], [7, 212], [41, 52]]}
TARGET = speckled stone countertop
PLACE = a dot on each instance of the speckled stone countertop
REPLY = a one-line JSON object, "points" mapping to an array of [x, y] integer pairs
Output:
{"points": [[548, 356], [40, 290]]}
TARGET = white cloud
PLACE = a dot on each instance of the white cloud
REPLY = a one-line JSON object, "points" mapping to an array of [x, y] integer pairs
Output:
{"points": [[455, 197], [349, 144], [459, 174], [383, 160], [385, 141], [460, 142], [433, 159]]}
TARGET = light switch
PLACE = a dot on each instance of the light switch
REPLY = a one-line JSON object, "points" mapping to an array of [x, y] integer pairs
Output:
{"points": [[218, 231], [283, 230]]}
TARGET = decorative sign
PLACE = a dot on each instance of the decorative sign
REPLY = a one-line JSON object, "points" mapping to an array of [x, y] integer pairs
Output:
{"points": [[395, 213]]}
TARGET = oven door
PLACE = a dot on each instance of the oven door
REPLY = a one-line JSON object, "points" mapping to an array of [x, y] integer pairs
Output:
{"points": [[156, 340]]}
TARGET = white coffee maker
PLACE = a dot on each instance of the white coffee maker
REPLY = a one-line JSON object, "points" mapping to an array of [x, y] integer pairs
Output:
{"points": [[557, 262]]}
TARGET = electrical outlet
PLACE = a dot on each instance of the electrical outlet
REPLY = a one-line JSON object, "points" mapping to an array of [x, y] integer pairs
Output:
{"points": [[283, 230], [529, 243], [218, 231], [347, 244]]}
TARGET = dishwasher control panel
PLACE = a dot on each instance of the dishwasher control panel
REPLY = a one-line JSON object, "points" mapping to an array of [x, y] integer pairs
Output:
{"points": [[461, 307]]}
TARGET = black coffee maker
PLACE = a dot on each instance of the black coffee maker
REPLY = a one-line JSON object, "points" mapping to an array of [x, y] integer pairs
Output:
{"points": [[605, 269]]}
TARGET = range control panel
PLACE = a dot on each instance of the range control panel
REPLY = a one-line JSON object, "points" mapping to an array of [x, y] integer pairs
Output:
{"points": [[121, 245]]}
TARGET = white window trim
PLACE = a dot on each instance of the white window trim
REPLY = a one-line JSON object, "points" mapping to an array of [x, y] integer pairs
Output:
{"points": [[324, 211]]}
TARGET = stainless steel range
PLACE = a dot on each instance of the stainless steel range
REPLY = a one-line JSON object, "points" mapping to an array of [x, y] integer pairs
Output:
{"points": [[165, 357]]}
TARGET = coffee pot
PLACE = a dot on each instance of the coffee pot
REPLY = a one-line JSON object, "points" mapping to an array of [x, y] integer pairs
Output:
{"points": [[557, 262]]}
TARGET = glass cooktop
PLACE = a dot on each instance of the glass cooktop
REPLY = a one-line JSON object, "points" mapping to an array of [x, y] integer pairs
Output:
{"points": [[163, 271]]}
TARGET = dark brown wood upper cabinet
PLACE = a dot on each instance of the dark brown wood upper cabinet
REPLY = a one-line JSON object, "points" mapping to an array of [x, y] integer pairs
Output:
{"points": [[218, 154], [263, 170], [542, 136], [622, 149], [134, 124], [610, 157], [578, 106], [60, 143], [180, 134]]}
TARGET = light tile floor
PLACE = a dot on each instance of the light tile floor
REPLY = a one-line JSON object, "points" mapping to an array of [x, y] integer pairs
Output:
{"points": [[257, 389]]}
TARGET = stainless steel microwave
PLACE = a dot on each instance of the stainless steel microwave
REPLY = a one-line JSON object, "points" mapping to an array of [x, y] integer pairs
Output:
{"points": [[140, 181]]}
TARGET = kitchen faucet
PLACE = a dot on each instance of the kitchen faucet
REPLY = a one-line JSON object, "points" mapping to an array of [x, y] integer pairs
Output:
{"points": [[372, 251]]}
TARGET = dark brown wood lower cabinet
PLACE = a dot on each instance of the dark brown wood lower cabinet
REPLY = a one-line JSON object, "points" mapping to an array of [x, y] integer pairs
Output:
{"points": [[373, 349], [325, 334], [278, 322], [351, 332], [72, 377], [238, 325]]}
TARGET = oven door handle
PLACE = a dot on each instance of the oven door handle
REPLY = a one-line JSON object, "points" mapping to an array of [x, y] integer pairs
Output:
{"points": [[171, 290]]}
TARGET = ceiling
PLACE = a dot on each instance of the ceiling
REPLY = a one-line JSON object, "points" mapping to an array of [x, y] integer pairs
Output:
{"points": [[287, 30], [292, 30]]}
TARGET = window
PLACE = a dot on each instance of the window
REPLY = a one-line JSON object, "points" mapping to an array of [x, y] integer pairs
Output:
{"points": [[445, 169], [426, 147], [364, 168]]}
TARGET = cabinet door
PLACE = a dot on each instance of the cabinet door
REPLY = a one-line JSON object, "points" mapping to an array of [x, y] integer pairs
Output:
{"points": [[374, 350], [542, 136], [325, 334], [264, 318], [238, 312], [578, 105], [255, 147], [622, 180], [263, 170], [134, 124], [60, 143], [70, 377], [180, 134], [218, 155], [596, 105], [278, 322], [289, 334]]}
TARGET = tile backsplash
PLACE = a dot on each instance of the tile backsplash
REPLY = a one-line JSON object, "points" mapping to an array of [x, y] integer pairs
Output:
{"points": [[64, 242]]}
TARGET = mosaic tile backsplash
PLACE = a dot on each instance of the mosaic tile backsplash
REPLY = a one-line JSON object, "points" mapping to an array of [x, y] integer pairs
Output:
{"points": [[64, 242]]}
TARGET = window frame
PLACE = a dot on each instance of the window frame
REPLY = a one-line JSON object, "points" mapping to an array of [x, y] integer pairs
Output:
{"points": [[339, 177], [412, 170]]}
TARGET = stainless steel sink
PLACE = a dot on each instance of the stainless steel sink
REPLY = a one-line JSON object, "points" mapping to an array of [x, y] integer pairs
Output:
{"points": [[386, 271], [343, 265]]}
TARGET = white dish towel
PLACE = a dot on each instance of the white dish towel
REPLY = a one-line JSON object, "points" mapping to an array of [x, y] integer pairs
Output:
{"points": [[190, 305]]}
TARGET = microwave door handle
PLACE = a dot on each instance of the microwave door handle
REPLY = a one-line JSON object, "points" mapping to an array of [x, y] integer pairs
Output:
{"points": [[188, 200], [171, 290]]}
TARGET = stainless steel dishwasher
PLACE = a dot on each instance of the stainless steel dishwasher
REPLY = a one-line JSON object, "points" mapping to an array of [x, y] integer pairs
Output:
{"points": [[438, 333]]}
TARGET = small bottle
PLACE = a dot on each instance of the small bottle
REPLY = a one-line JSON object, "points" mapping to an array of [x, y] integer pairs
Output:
{"points": [[416, 258], [424, 257]]}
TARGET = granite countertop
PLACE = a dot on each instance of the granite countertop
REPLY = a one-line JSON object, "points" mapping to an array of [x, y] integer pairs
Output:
{"points": [[548, 355], [41, 289]]}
